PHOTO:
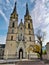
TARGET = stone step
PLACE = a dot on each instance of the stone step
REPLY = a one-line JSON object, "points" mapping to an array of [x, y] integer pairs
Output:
{"points": [[30, 63]]}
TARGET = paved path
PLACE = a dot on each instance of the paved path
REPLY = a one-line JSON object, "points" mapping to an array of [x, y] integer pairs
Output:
{"points": [[22, 62], [30, 63]]}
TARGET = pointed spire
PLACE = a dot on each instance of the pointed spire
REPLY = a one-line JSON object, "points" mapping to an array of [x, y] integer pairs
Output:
{"points": [[21, 21], [14, 8], [14, 13], [27, 11]]}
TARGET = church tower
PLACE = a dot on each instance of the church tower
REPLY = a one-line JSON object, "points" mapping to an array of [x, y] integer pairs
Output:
{"points": [[29, 31], [10, 48]]}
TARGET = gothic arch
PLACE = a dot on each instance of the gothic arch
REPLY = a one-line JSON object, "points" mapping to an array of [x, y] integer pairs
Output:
{"points": [[21, 47], [13, 24], [29, 25], [20, 53]]}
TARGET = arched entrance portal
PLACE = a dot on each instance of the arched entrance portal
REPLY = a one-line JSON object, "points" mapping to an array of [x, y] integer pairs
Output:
{"points": [[20, 54]]}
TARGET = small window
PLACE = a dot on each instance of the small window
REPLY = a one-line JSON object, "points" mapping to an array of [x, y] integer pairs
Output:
{"points": [[18, 38], [23, 38], [29, 25], [30, 38], [11, 37], [13, 24]]}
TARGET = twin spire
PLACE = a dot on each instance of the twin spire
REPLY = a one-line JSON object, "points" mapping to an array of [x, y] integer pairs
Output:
{"points": [[27, 10]]}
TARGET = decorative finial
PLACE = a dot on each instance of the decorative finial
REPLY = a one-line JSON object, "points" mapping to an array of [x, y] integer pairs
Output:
{"points": [[21, 20]]}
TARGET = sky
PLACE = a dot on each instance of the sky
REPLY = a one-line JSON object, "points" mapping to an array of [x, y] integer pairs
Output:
{"points": [[38, 9]]}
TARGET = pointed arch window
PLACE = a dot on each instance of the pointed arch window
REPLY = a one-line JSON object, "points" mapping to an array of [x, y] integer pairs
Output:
{"points": [[11, 37], [13, 24], [29, 25]]}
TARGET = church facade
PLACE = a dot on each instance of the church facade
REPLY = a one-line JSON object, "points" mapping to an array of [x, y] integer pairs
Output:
{"points": [[20, 39]]}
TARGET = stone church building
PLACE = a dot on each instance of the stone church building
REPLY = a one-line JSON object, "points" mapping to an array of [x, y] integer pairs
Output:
{"points": [[20, 39]]}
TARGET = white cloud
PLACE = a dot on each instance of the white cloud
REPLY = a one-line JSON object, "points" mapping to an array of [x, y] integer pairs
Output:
{"points": [[2, 39], [4, 16], [40, 16], [7, 1], [46, 37], [44, 1], [47, 20]]}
